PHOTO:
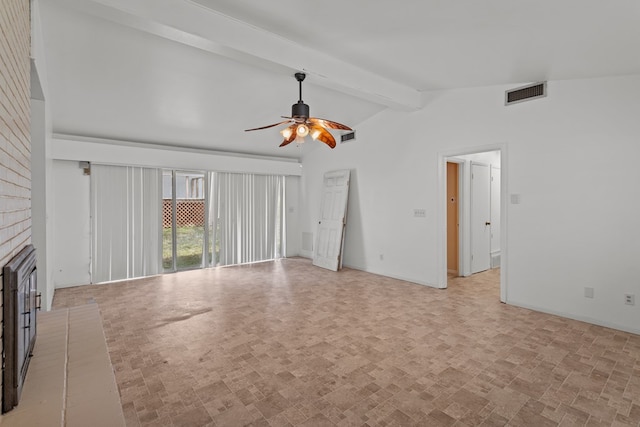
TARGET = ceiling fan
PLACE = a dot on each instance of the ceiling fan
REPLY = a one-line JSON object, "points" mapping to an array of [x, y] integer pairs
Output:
{"points": [[301, 125]]}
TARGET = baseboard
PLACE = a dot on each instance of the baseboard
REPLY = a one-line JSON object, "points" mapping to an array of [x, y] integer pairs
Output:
{"points": [[391, 276], [585, 319], [306, 254], [495, 259], [73, 285]]}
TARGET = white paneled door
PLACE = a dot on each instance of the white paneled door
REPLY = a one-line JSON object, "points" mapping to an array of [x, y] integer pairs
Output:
{"points": [[480, 217], [333, 214]]}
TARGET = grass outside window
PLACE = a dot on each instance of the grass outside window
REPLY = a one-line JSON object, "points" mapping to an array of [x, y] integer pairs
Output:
{"points": [[189, 248]]}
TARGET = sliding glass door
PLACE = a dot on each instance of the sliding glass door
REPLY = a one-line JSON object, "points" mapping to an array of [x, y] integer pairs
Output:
{"points": [[185, 219], [184, 234], [215, 218]]}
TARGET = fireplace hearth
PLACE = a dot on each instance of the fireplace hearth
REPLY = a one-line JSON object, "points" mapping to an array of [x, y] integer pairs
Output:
{"points": [[19, 330]]}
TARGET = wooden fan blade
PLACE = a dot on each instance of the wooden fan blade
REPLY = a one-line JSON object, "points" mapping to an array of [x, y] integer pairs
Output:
{"points": [[291, 138], [328, 123], [268, 126], [323, 135]]}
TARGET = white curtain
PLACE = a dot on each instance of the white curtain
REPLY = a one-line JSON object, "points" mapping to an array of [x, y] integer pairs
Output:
{"points": [[126, 207], [246, 217]]}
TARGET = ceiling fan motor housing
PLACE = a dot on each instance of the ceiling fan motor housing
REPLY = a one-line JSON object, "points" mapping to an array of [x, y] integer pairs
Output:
{"points": [[300, 110]]}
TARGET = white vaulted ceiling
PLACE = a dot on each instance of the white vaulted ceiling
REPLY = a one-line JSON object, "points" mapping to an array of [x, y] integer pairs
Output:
{"points": [[196, 73]]}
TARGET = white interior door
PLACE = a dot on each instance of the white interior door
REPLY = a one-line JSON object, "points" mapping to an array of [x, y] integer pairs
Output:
{"points": [[333, 214], [480, 217]]}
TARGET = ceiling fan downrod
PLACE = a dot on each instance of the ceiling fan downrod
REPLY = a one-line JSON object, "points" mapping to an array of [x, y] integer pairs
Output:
{"points": [[300, 110], [300, 78]]}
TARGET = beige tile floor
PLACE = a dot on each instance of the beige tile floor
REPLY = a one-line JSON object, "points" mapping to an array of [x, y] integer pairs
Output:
{"points": [[284, 343]]}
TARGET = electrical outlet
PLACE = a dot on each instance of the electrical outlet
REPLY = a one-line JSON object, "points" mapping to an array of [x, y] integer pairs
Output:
{"points": [[630, 299], [381, 257], [588, 292]]}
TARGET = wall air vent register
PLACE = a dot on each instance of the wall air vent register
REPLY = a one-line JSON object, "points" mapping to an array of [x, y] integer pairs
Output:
{"points": [[347, 137], [525, 93]]}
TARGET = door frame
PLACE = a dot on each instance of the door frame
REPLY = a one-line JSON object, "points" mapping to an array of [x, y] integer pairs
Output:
{"points": [[449, 155]]}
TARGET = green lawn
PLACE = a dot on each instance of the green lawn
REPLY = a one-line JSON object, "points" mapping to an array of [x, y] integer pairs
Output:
{"points": [[189, 247]]}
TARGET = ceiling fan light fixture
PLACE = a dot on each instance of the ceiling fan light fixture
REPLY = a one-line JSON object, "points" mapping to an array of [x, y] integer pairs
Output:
{"points": [[286, 132], [315, 134], [302, 130]]}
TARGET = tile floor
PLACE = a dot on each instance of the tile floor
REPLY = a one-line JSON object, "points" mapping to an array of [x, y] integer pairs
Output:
{"points": [[284, 343]]}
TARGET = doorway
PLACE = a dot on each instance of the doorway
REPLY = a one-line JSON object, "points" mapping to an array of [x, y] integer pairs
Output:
{"points": [[459, 226]]}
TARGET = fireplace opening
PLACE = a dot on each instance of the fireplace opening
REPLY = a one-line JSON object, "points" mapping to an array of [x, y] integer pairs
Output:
{"points": [[19, 318]]}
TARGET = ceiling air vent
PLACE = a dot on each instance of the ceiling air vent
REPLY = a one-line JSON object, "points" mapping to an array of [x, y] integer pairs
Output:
{"points": [[525, 93], [347, 137]]}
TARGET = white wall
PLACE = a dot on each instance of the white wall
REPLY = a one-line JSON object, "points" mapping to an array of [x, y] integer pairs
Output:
{"points": [[488, 158], [71, 225], [570, 156]]}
